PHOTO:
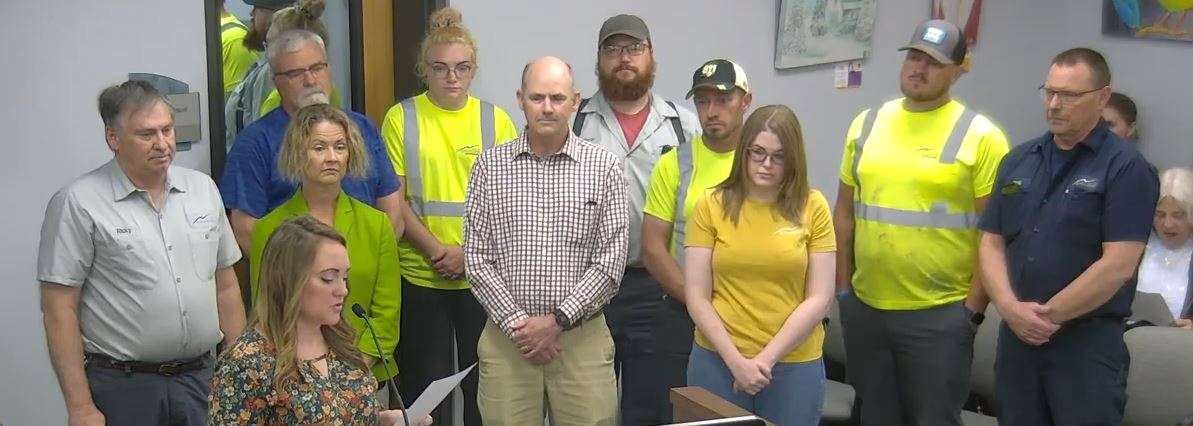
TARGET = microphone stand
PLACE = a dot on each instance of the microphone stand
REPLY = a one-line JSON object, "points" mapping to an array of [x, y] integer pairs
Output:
{"points": [[389, 383]]}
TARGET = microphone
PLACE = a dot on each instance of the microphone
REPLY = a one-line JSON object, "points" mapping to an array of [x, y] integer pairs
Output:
{"points": [[389, 383]]}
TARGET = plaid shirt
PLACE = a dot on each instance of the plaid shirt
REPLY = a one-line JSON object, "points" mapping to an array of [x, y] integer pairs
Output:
{"points": [[545, 233]]}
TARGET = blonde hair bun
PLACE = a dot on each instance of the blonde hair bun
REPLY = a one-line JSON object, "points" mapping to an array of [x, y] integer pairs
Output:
{"points": [[446, 17], [313, 9]]}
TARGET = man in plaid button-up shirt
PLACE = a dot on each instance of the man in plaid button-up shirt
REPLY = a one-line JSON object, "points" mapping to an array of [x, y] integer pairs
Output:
{"points": [[546, 233]]}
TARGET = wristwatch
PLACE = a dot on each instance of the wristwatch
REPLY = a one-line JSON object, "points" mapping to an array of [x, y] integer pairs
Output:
{"points": [[977, 318], [562, 320]]}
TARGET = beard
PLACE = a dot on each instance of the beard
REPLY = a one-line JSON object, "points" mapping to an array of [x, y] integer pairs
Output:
{"points": [[616, 89], [923, 93], [314, 96], [254, 40]]}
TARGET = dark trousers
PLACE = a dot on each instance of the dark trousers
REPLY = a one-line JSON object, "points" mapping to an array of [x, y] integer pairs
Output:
{"points": [[652, 335], [1077, 378], [151, 399], [673, 339], [908, 367], [430, 318]]}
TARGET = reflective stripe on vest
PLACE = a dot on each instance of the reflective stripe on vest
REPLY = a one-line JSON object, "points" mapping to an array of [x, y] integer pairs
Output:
{"points": [[938, 216], [232, 25], [686, 164], [410, 151]]}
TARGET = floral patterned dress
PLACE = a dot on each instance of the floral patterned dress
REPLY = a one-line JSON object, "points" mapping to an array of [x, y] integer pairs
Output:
{"points": [[243, 393]]}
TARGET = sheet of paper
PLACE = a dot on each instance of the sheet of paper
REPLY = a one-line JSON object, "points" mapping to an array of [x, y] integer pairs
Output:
{"points": [[855, 74], [435, 393], [841, 75]]}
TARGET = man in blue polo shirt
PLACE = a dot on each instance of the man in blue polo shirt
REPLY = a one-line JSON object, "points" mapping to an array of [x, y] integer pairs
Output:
{"points": [[1062, 236], [252, 185]]}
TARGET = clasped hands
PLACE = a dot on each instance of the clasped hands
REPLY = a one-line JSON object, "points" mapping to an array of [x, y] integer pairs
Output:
{"points": [[1030, 322], [449, 262], [751, 375], [537, 338]]}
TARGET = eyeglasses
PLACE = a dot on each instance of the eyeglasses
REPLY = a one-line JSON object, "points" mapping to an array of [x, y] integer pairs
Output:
{"points": [[613, 50], [292, 74], [1065, 97], [296, 73], [440, 69], [759, 155]]}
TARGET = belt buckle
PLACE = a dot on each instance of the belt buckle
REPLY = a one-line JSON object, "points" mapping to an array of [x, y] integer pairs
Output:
{"points": [[168, 369]]}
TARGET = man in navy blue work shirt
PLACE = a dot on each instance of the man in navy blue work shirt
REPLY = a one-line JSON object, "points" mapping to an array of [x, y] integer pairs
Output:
{"points": [[1062, 235], [252, 185]]}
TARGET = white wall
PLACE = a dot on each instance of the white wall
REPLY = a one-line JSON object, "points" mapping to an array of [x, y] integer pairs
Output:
{"points": [[1017, 39], [62, 53]]}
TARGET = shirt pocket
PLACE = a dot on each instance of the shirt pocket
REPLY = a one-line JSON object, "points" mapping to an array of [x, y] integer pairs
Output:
{"points": [[579, 223], [1083, 211], [204, 240], [1015, 205], [126, 249]]}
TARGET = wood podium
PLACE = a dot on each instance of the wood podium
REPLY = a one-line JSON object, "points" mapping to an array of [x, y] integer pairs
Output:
{"points": [[693, 404]]}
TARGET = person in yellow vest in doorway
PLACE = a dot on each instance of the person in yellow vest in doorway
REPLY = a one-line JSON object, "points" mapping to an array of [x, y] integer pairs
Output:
{"points": [[237, 56], [681, 176], [433, 140], [915, 175]]}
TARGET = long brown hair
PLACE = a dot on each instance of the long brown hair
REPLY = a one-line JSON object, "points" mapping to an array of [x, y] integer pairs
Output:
{"points": [[284, 273], [793, 190], [295, 150]]}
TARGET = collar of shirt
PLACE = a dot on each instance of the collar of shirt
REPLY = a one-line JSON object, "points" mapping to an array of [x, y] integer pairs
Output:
{"points": [[522, 147], [297, 205], [1092, 142], [600, 105], [122, 186]]}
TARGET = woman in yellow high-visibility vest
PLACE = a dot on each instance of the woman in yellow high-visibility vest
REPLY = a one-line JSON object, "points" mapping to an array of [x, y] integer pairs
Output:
{"points": [[433, 140]]}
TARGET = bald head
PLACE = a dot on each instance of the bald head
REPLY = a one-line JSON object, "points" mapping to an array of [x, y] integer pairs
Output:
{"points": [[548, 67], [547, 97]]}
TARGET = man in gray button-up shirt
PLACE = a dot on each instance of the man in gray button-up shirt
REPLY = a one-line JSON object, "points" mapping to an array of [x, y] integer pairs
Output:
{"points": [[135, 270], [628, 119]]}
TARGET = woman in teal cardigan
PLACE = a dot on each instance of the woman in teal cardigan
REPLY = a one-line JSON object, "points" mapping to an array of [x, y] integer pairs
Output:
{"points": [[320, 148]]}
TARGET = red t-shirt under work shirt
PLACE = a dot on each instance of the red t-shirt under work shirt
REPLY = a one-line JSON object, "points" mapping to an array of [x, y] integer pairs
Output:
{"points": [[631, 124]]}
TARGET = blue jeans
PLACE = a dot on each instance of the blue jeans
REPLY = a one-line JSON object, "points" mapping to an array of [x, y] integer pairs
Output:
{"points": [[795, 395]]}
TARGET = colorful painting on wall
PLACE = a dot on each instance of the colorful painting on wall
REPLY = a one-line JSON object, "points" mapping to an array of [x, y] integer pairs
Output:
{"points": [[1155, 19], [814, 32], [965, 14]]}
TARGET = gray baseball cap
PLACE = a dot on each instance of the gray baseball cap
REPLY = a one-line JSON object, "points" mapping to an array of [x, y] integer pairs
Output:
{"points": [[629, 25], [941, 40]]}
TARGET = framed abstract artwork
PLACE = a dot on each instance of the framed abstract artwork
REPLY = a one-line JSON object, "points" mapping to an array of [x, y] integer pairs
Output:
{"points": [[812, 32]]}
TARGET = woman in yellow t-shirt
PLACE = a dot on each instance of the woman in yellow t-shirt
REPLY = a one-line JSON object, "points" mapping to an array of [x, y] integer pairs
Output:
{"points": [[759, 277]]}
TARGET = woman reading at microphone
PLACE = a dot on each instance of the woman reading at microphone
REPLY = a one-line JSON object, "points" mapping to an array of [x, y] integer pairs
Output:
{"points": [[321, 147], [297, 361]]}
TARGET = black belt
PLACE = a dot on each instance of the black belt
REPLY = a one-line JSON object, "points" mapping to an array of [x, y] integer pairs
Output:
{"points": [[168, 368]]}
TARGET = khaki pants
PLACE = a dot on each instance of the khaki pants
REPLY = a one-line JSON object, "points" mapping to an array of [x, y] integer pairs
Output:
{"points": [[577, 388]]}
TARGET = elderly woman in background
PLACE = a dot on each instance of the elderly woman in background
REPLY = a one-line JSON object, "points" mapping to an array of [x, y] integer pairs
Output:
{"points": [[1165, 268], [322, 146], [297, 361]]}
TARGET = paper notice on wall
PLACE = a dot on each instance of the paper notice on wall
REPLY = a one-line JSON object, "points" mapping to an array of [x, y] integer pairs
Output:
{"points": [[841, 75], [847, 75]]}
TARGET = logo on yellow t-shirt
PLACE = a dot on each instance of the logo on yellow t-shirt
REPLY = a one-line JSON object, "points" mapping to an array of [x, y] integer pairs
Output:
{"points": [[787, 230]]}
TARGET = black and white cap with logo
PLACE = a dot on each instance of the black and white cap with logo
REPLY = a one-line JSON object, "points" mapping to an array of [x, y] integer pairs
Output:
{"points": [[720, 74]]}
